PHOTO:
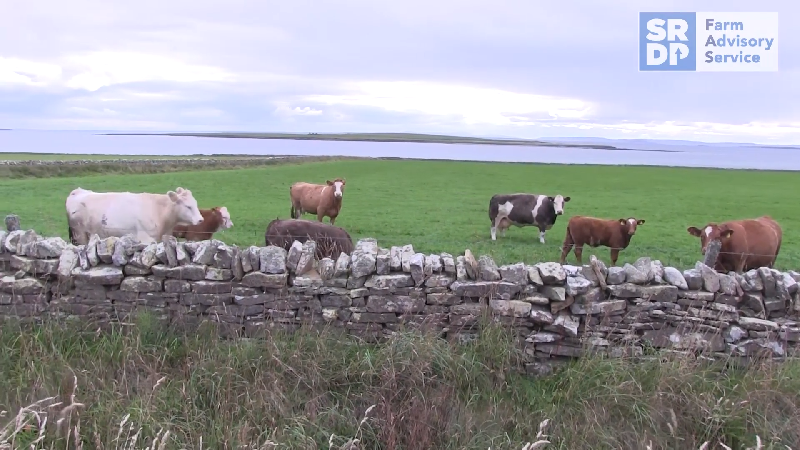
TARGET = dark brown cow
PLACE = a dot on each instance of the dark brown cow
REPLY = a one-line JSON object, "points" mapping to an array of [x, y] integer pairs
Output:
{"points": [[320, 199], [594, 232], [746, 243], [214, 219], [331, 240]]}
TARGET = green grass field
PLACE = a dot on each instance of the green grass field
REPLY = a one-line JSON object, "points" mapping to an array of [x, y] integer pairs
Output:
{"points": [[443, 206], [304, 391]]}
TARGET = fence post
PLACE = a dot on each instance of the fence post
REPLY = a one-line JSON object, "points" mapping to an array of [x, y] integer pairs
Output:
{"points": [[712, 251], [12, 222]]}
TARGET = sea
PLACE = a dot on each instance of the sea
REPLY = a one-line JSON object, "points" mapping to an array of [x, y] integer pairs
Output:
{"points": [[628, 152]]}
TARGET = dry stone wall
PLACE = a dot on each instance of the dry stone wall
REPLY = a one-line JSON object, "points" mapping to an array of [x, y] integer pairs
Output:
{"points": [[557, 312]]}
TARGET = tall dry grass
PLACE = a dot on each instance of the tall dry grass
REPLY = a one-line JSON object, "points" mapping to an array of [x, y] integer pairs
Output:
{"points": [[150, 387]]}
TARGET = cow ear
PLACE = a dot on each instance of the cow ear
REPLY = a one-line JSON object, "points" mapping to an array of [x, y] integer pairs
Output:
{"points": [[694, 231], [623, 221], [640, 221], [173, 196], [726, 234], [179, 190], [330, 183], [552, 199], [566, 199]]}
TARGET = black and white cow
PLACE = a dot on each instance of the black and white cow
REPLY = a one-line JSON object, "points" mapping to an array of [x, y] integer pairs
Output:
{"points": [[523, 210]]}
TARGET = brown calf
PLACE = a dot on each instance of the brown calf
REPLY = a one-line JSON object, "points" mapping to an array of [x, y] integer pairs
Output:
{"points": [[331, 240], [745, 244], [594, 232], [214, 219], [320, 199]]}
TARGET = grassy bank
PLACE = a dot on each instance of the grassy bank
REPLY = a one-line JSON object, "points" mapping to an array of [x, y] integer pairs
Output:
{"points": [[384, 137], [30, 156], [443, 206], [21, 165], [413, 392]]}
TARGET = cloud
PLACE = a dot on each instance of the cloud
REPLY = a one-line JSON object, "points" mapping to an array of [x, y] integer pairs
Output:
{"points": [[526, 69], [30, 73], [283, 108], [472, 105], [99, 69]]}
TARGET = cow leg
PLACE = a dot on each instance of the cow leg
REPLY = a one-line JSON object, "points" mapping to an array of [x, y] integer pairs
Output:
{"points": [[505, 224], [333, 219], [566, 247], [297, 210], [614, 256], [541, 234], [579, 254], [495, 224]]}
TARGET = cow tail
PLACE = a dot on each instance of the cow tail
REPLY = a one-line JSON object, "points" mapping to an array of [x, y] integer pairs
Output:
{"points": [[291, 212], [71, 237], [568, 239], [494, 208]]}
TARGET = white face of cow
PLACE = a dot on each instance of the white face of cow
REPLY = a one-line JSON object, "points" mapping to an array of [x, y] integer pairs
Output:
{"points": [[226, 218], [629, 225], [338, 187], [558, 203], [711, 232], [185, 206]]}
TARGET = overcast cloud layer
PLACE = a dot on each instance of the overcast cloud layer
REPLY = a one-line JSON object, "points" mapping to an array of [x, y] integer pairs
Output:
{"points": [[507, 68]]}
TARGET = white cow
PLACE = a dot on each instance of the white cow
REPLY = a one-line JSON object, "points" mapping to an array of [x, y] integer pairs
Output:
{"points": [[147, 216]]}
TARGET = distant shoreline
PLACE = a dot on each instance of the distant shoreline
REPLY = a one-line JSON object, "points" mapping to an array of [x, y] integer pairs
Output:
{"points": [[394, 137]]}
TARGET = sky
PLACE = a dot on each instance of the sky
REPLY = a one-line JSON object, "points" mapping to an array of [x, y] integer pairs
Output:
{"points": [[510, 68]]}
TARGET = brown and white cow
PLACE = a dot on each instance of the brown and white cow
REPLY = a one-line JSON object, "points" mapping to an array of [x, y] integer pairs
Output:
{"points": [[147, 216], [320, 199], [745, 244], [215, 219], [594, 232], [331, 240]]}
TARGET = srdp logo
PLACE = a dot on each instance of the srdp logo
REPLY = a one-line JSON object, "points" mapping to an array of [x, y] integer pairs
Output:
{"points": [[667, 41]]}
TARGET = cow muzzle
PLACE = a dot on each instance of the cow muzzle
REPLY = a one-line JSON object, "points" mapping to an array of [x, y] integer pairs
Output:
{"points": [[558, 213]]}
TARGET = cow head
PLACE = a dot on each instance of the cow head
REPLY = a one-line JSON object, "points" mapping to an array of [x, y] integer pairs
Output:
{"points": [[224, 217], [185, 206], [338, 187], [558, 203], [629, 225], [711, 232]]}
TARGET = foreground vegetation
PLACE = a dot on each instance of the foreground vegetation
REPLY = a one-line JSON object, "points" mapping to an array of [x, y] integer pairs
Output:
{"points": [[305, 391], [443, 206]]}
